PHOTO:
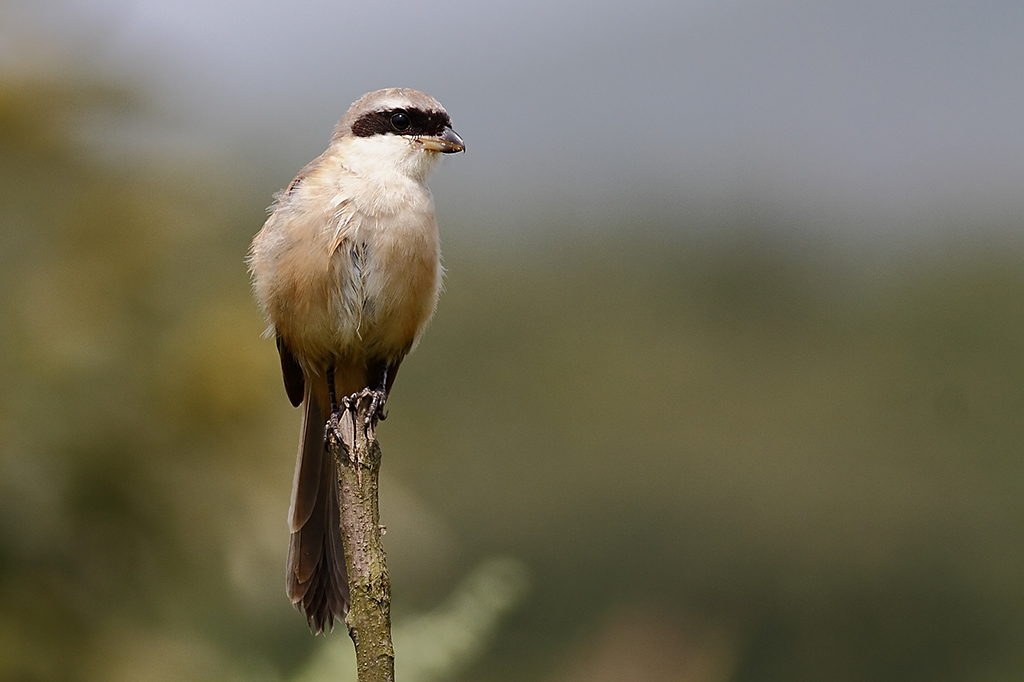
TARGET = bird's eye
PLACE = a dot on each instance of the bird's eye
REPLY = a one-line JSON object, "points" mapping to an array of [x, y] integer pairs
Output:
{"points": [[400, 121]]}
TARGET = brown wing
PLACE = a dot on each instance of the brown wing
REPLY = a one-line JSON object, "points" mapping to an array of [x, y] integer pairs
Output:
{"points": [[294, 383]]}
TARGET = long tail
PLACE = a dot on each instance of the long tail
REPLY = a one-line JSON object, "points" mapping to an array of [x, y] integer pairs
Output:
{"points": [[316, 559]]}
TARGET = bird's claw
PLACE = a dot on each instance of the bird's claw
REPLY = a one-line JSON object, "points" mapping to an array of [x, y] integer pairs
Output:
{"points": [[375, 411], [332, 430]]}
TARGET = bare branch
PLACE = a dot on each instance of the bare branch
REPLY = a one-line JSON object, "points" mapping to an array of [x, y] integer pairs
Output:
{"points": [[353, 442]]}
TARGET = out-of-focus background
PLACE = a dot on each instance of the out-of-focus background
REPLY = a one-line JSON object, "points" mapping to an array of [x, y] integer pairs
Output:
{"points": [[727, 383]]}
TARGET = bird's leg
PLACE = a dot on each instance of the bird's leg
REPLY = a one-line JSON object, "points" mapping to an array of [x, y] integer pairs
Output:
{"points": [[332, 396], [377, 396], [332, 429], [380, 396]]}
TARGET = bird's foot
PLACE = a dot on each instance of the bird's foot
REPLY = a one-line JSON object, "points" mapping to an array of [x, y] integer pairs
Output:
{"points": [[375, 411], [332, 430]]}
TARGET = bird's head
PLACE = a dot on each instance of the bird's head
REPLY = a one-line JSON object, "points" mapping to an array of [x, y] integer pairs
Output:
{"points": [[396, 130]]}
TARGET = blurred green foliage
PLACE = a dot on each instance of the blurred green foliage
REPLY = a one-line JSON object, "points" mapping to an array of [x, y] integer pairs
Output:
{"points": [[746, 460]]}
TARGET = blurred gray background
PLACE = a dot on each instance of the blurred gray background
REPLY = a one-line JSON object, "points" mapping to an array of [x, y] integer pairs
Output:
{"points": [[898, 116], [727, 382]]}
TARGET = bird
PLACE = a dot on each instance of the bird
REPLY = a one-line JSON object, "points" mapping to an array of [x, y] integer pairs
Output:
{"points": [[347, 272]]}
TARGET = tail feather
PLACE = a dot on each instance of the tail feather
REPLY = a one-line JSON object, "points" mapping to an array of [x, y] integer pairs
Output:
{"points": [[316, 578]]}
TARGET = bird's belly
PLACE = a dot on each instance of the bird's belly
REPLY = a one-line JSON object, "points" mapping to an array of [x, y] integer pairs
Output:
{"points": [[400, 284]]}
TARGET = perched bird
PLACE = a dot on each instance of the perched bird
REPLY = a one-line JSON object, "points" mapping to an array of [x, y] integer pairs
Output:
{"points": [[347, 270]]}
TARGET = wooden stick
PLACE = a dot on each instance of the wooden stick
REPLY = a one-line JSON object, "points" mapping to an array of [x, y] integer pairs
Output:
{"points": [[353, 443]]}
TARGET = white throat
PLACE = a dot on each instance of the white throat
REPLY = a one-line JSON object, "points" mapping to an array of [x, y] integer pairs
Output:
{"points": [[387, 157]]}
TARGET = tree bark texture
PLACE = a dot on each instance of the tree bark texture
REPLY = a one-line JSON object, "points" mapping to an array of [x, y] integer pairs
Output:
{"points": [[352, 440]]}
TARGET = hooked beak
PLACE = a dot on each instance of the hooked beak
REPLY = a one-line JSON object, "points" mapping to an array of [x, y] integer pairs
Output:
{"points": [[447, 142]]}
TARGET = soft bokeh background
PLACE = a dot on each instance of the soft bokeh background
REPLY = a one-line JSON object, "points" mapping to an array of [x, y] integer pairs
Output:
{"points": [[727, 382]]}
